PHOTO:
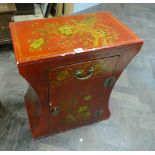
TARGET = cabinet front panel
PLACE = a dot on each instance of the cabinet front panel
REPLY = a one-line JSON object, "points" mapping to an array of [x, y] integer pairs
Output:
{"points": [[77, 92]]}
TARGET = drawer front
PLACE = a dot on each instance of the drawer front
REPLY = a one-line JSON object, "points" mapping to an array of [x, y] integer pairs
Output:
{"points": [[67, 74], [77, 92]]}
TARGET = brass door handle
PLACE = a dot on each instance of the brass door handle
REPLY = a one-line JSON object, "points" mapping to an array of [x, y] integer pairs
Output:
{"points": [[78, 74]]}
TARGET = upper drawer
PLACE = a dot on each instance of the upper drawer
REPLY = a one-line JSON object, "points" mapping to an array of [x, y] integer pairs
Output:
{"points": [[82, 71]]}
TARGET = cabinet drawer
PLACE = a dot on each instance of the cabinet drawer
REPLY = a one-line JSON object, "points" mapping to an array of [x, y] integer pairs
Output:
{"points": [[82, 71], [77, 92]]}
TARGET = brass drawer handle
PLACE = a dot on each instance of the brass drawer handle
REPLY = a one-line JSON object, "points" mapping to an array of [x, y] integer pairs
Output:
{"points": [[78, 74]]}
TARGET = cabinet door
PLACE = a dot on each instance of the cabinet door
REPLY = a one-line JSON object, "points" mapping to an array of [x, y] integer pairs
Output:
{"points": [[77, 92]]}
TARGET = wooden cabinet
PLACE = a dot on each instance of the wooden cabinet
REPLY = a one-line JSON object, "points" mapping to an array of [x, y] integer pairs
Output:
{"points": [[71, 64]]}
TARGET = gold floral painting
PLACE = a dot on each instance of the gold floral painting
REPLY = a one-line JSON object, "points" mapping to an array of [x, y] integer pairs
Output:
{"points": [[87, 31]]}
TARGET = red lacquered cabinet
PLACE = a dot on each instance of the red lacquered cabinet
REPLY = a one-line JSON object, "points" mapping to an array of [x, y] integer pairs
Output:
{"points": [[71, 64]]}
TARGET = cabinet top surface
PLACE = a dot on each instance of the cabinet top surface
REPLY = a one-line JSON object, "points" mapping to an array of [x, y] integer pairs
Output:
{"points": [[44, 38]]}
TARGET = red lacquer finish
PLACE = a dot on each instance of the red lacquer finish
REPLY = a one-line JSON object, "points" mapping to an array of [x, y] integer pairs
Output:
{"points": [[68, 62]]}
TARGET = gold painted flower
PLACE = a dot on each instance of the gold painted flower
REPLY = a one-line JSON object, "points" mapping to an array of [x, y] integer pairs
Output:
{"points": [[37, 44], [87, 97], [66, 29], [62, 75], [84, 112]]}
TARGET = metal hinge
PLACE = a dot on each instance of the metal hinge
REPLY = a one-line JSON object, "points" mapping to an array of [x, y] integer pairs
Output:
{"points": [[109, 82], [99, 113]]}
